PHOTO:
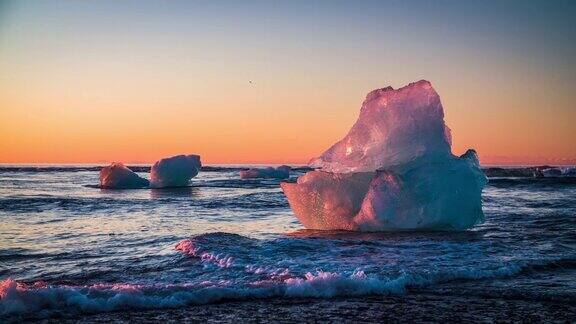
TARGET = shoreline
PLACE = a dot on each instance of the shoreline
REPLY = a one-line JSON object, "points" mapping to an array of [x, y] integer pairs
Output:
{"points": [[412, 307]]}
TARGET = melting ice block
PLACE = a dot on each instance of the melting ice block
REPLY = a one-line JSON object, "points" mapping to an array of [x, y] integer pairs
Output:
{"points": [[435, 196], [281, 172], [394, 170], [118, 176], [325, 200], [174, 171], [395, 128]]}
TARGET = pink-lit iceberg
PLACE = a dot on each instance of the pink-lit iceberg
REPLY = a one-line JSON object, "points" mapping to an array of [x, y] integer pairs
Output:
{"points": [[394, 170], [174, 171], [118, 176], [281, 172]]}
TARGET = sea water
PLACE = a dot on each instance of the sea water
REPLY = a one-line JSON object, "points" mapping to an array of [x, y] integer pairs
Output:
{"points": [[68, 247]]}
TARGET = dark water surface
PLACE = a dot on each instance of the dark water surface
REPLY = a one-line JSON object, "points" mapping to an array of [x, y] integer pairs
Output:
{"points": [[68, 248]]}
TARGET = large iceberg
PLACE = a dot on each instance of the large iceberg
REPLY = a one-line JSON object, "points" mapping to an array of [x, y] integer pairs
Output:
{"points": [[118, 176], [394, 170], [174, 171], [395, 128], [281, 172]]}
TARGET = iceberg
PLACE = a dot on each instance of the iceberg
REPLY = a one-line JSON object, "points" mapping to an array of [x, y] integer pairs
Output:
{"points": [[393, 171], [118, 176], [394, 129], [281, 172], [174, 171], [437, 196]]}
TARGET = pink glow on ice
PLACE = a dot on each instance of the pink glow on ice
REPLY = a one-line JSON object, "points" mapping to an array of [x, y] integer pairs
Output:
{"points": [[395, 127], [394, 170], [118, 176], [323, 200]]}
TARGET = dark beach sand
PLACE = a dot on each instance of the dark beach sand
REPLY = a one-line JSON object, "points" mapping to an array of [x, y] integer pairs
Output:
{"points": [[412, 308]]}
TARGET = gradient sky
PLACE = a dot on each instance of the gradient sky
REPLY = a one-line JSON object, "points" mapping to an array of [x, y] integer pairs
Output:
{"points": [[134, 81]]}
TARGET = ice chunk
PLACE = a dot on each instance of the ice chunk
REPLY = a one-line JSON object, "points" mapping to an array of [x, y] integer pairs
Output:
{"points": [[174, 171], [436, 196], [393, 171], [118, 176], [324, 200], [281, 172], [395, 127]]}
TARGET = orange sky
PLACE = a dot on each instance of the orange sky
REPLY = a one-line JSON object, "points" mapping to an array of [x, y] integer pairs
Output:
{"points": [[91, 85]]}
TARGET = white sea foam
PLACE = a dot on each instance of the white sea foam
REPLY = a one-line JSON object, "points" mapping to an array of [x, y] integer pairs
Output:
{"points": [[41, 299], [189, 248]]}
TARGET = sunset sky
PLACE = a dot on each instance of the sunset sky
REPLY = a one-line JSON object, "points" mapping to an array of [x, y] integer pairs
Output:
{"points": [[134, 81]]}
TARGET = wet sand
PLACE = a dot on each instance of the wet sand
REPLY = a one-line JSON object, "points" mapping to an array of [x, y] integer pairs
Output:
{"points": [[409, 308]]}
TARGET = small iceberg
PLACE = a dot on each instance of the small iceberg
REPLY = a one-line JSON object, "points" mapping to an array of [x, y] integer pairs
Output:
{"points": [[281, 172], [118, 176], [174, 171], [169, 172], [393, 171]]}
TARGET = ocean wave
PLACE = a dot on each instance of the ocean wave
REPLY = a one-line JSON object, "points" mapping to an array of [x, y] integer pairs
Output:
{"points": [[543, 171], [42, 300], [202, 183], [189, 248], [159, 197], [512, 181], [261, 280], [496, 172]]}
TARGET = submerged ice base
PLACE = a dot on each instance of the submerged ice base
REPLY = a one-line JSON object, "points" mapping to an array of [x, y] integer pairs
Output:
{"points": [[394, 170]]}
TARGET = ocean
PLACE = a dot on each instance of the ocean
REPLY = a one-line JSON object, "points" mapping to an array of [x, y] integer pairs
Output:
{"points": [[69, 249]]}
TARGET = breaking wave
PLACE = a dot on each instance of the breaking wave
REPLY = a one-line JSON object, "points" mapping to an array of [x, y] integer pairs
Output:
{"points": [[39, 299], [18, 298]]}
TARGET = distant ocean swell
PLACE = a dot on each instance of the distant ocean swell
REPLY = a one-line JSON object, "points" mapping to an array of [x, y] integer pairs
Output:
{"points": [[135, 168], [253, 201], [493, 172]]}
